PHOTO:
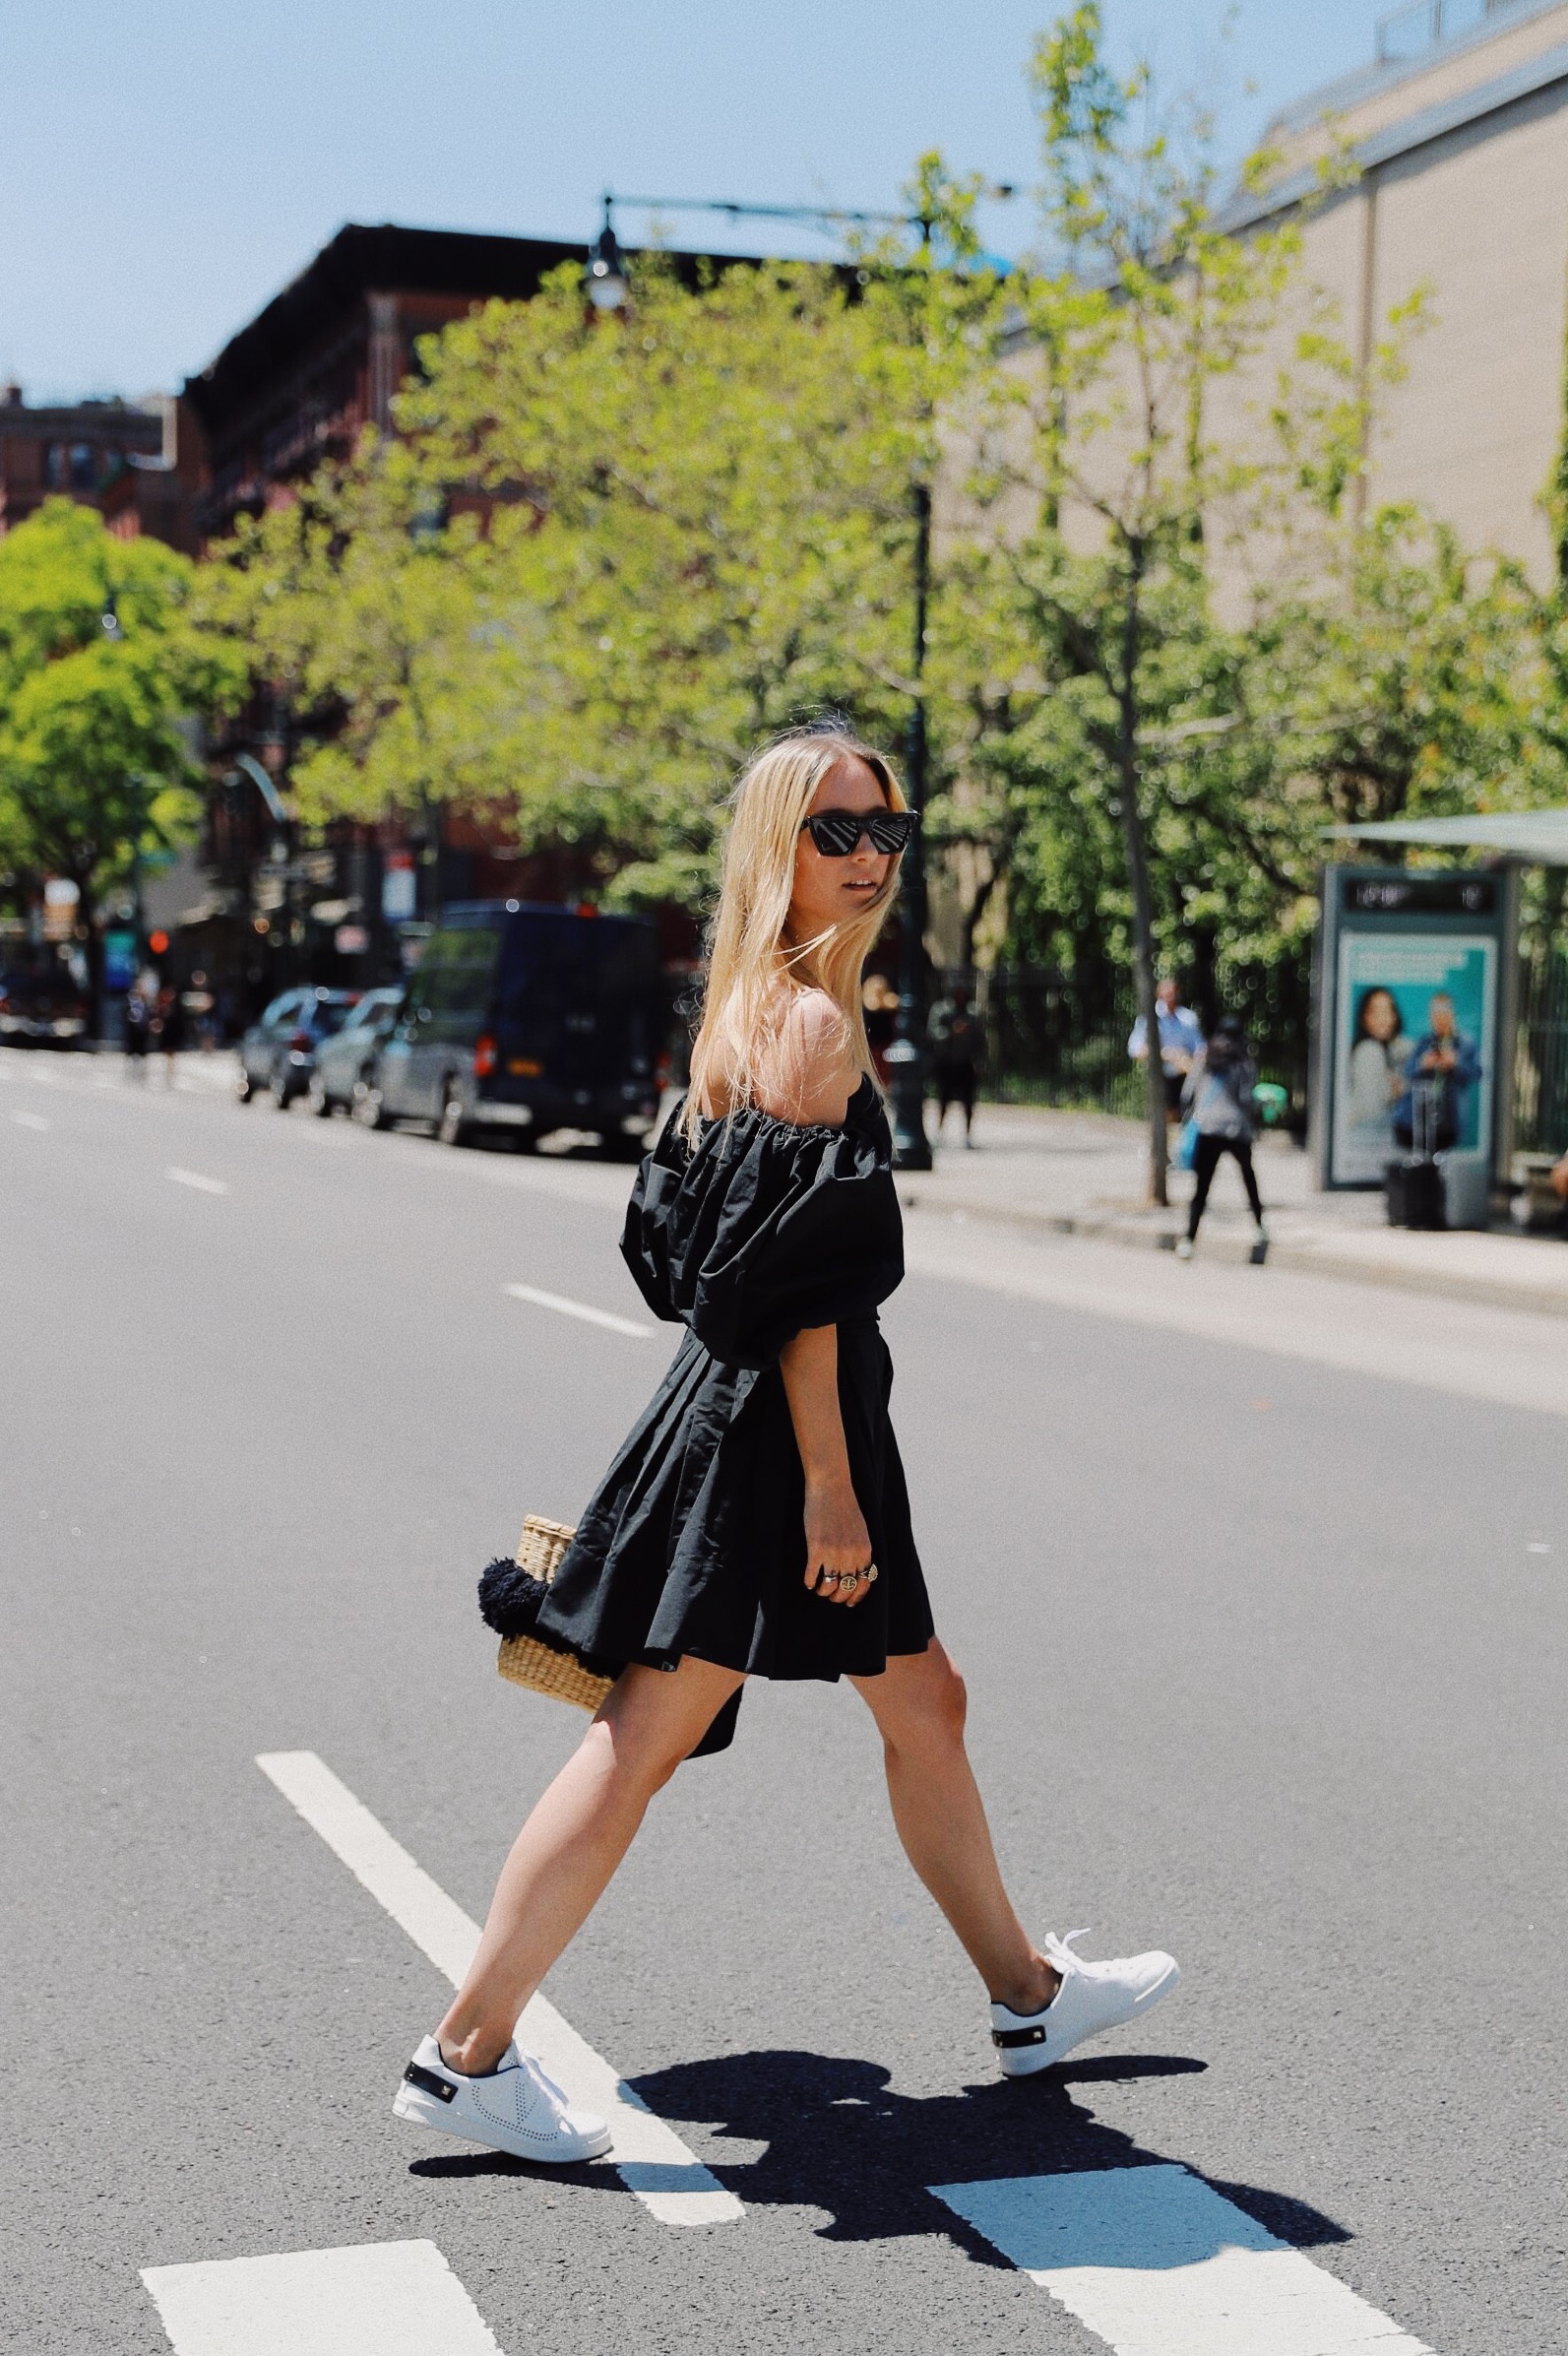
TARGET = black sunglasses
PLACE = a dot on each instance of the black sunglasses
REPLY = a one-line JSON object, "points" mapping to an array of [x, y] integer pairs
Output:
{"points": [[837, 833]]}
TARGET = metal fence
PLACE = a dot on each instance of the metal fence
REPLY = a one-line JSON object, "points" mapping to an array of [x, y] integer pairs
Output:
{"points": [[1541, 1068], [1409, 31]]}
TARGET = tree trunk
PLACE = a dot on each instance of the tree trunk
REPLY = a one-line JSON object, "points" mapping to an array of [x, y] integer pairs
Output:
{"points": [[87, 913], [1128, 766]]}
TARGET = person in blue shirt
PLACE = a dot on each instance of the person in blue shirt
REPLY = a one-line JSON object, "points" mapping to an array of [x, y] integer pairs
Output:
{"points": [[1181, 1043], [1440, 1067]]}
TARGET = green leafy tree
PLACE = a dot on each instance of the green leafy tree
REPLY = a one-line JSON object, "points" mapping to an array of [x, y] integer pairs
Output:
{"points": [[1137, 463], [611, 554], [101, 671]]}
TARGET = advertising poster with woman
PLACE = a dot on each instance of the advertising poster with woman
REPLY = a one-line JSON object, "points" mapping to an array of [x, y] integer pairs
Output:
{"points": [[1411, 1071]]}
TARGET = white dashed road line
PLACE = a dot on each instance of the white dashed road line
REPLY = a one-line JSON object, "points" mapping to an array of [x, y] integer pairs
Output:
{"points": [[580, 1308], [1158, 2264], [652, 2161], [385, 2299], [30, 1121], [194, 1177]]}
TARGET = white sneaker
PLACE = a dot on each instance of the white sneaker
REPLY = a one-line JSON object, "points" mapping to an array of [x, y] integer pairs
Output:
{"points": [[1092, 1997], [512, 2108], [1184, 1247]]}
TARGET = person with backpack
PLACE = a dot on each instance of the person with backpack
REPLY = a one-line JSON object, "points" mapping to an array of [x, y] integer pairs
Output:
{"points": [[1218, 1101]]}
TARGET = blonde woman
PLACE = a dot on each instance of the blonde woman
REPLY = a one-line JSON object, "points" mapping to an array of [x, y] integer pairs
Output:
{"points": [[756, 1522]]}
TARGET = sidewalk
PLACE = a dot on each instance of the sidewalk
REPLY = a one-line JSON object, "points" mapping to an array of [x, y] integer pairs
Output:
{"points": [[1083, 1174]]}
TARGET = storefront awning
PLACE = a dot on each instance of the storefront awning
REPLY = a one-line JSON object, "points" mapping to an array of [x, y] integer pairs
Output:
{"points": [[1537, 838]]}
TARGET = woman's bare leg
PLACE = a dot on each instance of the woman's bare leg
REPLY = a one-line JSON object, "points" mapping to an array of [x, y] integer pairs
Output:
{"points": [[576, 1835], [919, 1705]]}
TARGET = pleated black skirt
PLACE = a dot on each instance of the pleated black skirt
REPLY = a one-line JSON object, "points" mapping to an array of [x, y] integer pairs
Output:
{"points": [[695, 1541]]}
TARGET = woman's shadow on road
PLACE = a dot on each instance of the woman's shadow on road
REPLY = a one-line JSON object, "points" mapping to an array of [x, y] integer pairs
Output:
{"points": [[837, 2138]]}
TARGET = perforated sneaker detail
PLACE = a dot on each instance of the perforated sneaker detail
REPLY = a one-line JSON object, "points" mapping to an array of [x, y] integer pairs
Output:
{"points": [[514, 2108]]}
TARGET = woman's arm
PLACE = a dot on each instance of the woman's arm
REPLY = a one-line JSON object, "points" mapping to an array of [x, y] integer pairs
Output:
{"points": [[837, 1537], [812, 1080]]}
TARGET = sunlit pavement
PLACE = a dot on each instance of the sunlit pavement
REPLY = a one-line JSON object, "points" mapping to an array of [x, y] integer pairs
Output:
{"points": [[1258, 1581]]}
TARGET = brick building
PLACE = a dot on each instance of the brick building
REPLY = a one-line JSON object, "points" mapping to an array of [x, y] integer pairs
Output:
{"points": [[291, 392], [115, 456], [294, 389]]}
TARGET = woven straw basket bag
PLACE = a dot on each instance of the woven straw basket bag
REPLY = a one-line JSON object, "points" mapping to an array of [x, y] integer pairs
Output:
{"points": [[524, 1659]]}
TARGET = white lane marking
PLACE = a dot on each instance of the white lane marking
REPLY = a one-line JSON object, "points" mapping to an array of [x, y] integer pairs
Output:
{"points": [[1158, 2264], [580, 1308], [386, 2299], [194, 1177], [30, 1121], [652, 2161]]}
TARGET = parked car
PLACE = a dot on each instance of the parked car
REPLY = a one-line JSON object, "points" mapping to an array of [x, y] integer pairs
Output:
{"points": [[525, 1018], [346, 1061], [278, 1052], [43, 1006]]}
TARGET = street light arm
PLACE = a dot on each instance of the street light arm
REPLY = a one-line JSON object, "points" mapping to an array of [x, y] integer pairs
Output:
{"points": [[252, 767]]}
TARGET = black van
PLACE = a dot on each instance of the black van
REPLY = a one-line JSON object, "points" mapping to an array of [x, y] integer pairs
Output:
{"points": [[526, 1017]]}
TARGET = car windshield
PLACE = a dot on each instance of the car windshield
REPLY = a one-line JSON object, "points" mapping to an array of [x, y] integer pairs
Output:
{"points": [[332, 1013]]}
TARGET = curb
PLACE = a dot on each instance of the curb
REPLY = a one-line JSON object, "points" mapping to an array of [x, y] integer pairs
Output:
{"points": [[1235, 1251]]}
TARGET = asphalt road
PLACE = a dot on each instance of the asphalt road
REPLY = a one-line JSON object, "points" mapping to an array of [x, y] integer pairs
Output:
{"points": [[1265, 1642]]}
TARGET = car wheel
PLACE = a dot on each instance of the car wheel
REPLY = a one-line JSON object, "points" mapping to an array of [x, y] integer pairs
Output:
{"points": [[368, 1107], [452, 1128], [244, 1088], [278, 1089], [317, 1098]]}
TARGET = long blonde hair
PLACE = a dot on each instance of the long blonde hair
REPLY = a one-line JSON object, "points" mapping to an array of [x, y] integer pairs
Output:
{"points": [[752, 971]]}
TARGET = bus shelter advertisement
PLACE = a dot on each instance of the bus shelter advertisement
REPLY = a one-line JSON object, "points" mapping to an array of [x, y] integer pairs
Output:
{"points": [[1412, 971], [1412, 1022]]}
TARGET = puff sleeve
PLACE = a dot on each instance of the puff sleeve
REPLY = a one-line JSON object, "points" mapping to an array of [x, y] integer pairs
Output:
{"points": [[764, 1228]]}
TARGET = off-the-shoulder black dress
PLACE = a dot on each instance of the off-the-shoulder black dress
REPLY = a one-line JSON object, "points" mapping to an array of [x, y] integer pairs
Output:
{"points": [[695, 1540]]}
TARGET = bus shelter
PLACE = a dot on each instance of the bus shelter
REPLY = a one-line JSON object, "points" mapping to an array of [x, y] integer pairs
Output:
{"points": [[1409, 956]]}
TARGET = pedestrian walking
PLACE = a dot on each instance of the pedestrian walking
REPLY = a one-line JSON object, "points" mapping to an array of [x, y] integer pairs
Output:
{"points": [[1180, 1042], [958, 1049], [166, 1028], [756, 1521], [881, 1002], [141, 999], [1217, 1096]]}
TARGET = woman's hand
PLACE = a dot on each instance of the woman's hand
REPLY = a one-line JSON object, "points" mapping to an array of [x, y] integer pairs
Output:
{"points": [[838, 1542]]}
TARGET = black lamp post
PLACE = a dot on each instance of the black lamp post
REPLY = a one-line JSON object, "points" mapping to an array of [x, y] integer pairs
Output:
{"points": [[911, 1148], [607, 290], [607, 274]]}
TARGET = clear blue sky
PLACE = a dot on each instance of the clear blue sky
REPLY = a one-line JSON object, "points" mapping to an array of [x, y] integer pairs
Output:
{"points": [[166, 167]]}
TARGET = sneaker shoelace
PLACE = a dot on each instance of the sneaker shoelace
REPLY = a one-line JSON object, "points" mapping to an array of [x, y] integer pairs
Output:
{"points": [[1059, 1951], [541, 2078]]}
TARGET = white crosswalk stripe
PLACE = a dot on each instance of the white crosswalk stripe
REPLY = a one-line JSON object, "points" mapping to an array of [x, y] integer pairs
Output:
{"points": [[1155, 2263], [384, 2299], [652, 2161]]}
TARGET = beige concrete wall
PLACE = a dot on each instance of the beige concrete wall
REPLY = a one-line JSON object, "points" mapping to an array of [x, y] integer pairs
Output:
{"points": [[1474, 431], [1449, 75]]}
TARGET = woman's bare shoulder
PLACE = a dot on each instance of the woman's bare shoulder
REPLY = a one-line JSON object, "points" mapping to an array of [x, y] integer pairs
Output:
{"points": [[811, 1073]]}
